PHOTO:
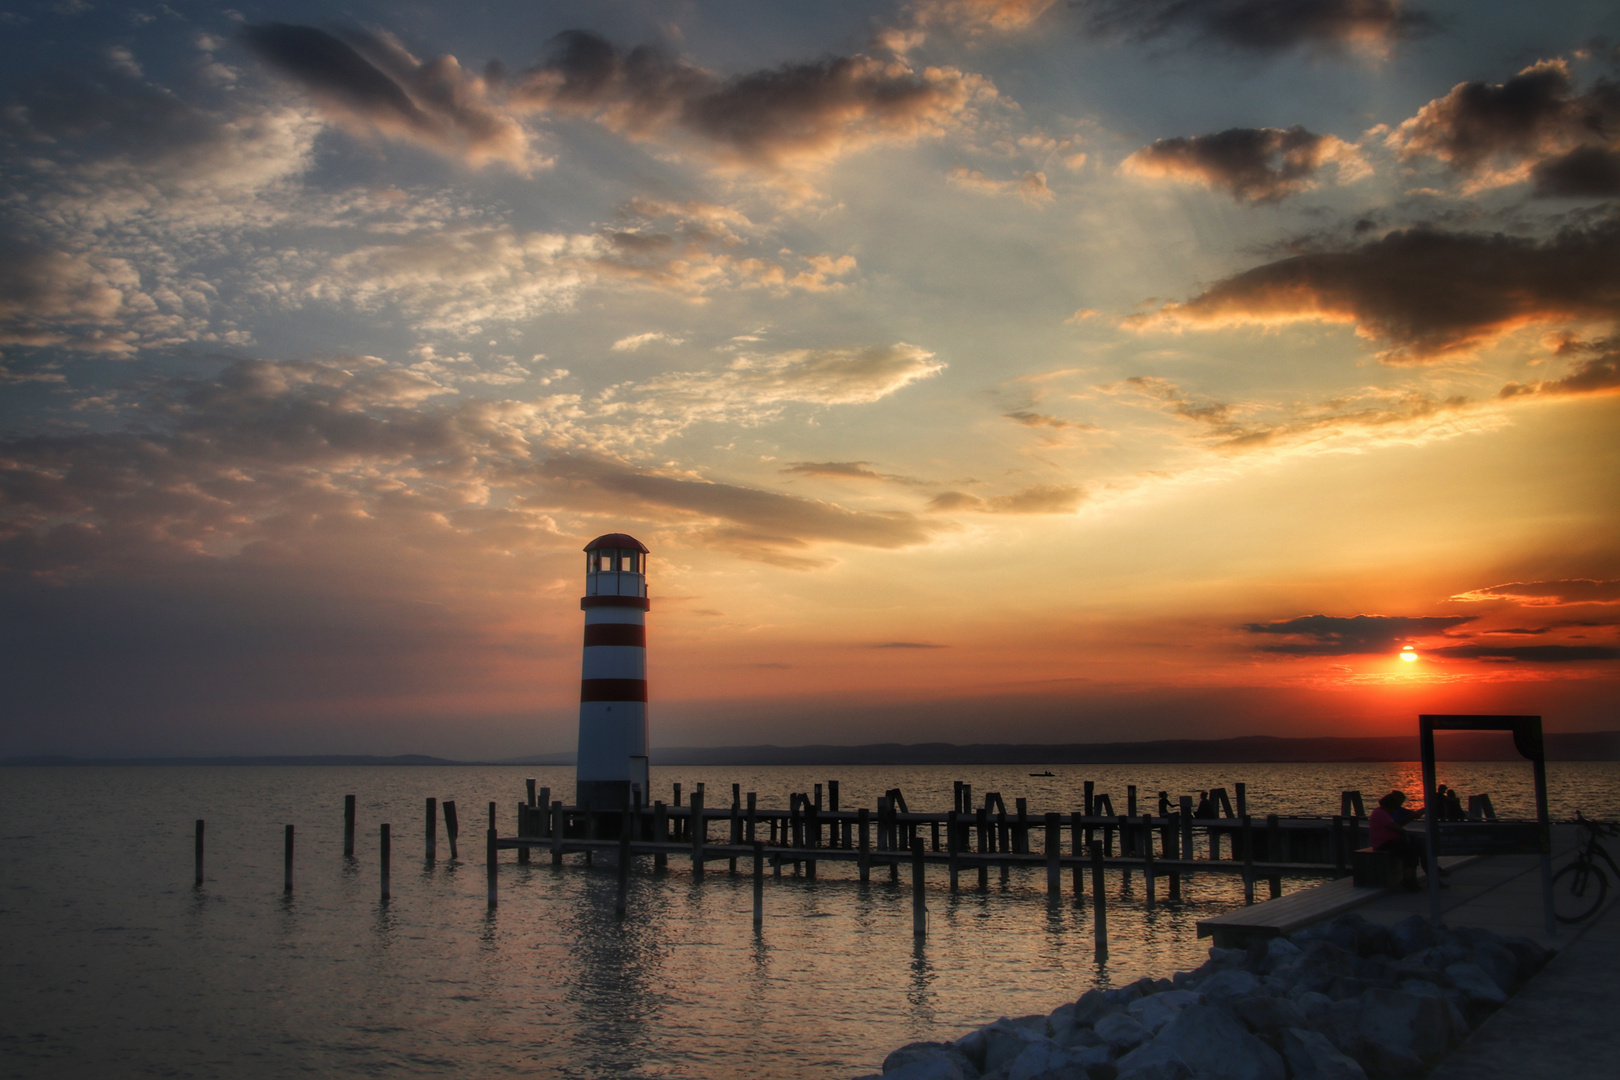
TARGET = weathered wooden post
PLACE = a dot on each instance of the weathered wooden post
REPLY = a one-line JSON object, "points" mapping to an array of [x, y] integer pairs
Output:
{"points": [[919, 907], [1274, 853], [1186, 846], [1248, 856], [1130, 800], [700, 829], [452, 827], [1149, 880], [524, 828], [951, 841], [1075, 829], [981, 818], [348, 826], [1099, 904], [542, 805], [1054, 852], [529, 784], [759, 884], [490, 865], [559, 830], [864, 859], [1020, 844], [287, 861], [751, 825], [431, 832], [1172, 842], [198, 846], [1091, 797], [385, 861], [1241, 790], [660, 834]]}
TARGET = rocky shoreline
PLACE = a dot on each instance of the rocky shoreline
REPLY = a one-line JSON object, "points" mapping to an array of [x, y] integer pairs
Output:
{"points": [[1344, 1000]]}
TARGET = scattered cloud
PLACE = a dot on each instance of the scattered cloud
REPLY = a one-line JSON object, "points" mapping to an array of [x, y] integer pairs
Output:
{"points": [[1039, 499], [1534, 654], [1423, 292], [636, 341], [1254, 165], [1335, 635], [906, 645], [369, 82], [1367, 26], [1031, 187], [1535, 127], [1596, 370], [1559, 593]]}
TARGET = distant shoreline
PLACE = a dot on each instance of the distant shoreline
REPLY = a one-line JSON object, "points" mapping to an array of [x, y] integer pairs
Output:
{"points": [[1257, 749]]}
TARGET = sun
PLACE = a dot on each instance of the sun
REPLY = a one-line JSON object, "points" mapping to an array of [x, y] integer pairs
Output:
{"points": [[1408, 654]]}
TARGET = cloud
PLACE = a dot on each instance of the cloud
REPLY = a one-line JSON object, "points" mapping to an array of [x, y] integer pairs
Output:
{"points": [[55, 298], [843, 470], [1252, 164], [1424, 292], [1596, 371], [794, 116], [906, 645], [1535, 654], [636, 341], [1559, 593], [370, 82], [1333, 635], [1534, 126], [1029, 418], [1368, 26], [1031, 187], [1039, 499]]}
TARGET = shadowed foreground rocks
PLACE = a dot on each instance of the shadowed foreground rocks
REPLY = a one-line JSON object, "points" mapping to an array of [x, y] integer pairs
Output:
{"points": [[1345, 1000]]}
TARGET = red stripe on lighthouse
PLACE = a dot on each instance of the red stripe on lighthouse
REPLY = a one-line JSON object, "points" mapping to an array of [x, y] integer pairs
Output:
{"points": [[615, 634], [612, 690]]}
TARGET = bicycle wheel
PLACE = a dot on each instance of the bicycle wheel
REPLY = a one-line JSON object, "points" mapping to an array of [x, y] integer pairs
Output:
{"points": [[1578, 891]]}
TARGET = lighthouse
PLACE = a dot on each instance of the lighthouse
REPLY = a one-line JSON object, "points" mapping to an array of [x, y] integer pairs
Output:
{"points": [[613, 680]]}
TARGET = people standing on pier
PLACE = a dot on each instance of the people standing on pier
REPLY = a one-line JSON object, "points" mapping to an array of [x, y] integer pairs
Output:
{"points": [[1386, 831]]}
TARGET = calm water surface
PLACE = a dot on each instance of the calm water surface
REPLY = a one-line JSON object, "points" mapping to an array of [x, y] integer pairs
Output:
{"points": [[114, 965]]}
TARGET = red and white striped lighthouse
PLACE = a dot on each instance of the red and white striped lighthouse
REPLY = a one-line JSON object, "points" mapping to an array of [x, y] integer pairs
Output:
{"points": [[613, 681]]}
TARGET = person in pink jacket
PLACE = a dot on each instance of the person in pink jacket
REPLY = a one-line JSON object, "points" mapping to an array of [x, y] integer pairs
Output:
{"points": [[1386, 831]]}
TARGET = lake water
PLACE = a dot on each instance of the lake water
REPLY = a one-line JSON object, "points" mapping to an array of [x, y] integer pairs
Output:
{"points": [[115, 965]]}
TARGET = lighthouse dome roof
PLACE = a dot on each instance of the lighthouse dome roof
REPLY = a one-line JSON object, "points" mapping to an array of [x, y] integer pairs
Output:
{"points": [[617, 540]]}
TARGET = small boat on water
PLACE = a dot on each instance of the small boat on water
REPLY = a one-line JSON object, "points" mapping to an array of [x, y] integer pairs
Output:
{"points": [[1048, 772]]}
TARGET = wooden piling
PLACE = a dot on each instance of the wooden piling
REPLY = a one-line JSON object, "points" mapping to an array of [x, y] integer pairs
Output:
{"points": [[660, 834], [198, 845], [982, 821], [431, 832], [1149, 880], [1091, 797], [385, 861], [1099, 904], [832, 796], [287, 861], [543, 804], [1130, 800], [952, 835], [1075, 829], [1241, 790], [864, 858], [1248, 856], [919, 907], [623, 898], [1186, 846], [490, 865], [752, 824], [452, 827], [525, 827], [1054, 853], [700, 831], [348, 826], [759, 884], [1274, 853], [1173, 838], [529, 785]]}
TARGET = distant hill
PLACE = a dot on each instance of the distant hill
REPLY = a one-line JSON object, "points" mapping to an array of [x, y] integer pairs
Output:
{"points": [[1456, 746]]}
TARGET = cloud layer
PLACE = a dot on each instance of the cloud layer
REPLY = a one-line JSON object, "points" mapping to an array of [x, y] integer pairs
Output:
{"points": [[1256, 165]]}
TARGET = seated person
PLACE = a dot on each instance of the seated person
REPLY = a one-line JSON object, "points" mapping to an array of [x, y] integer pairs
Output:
{"points": [[1386, 829]]}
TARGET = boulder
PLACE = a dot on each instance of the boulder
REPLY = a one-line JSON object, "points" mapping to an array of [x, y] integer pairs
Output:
{"points": [[1401, 1033], [1153, 1062], [1311, 1003], [1312, 1057], [1091, 1007], [997, 1045], [1472, 980], [1280, 952], [1218, 1047], [1157, 1010], [1233, 983], [1267, 1015], [1410, 935], [929, 1061], [1498, 961], [1121, 1031], [1044, 1061], [1532, 956]]}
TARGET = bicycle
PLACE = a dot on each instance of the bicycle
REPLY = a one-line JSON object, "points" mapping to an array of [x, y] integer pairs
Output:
{"points": [[1580, 887]]}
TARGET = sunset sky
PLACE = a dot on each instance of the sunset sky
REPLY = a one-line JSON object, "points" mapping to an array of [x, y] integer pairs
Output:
{"points": [[975, 370]]}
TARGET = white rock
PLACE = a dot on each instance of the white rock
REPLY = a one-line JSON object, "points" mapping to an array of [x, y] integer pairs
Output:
{"points": [[1311, 1057], [1218, 1045], [1234, 983], [1043, 1061], [1121, 1031], [1153, 1062], [1157, 1010]]}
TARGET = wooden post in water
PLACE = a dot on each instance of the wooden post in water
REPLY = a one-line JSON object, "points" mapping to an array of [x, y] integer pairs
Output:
{"points": [[385, 861], [1099, 904], [1091, 797], [1078, 852], [982, 820], [452, 828], [1020, 844], [348, 826], [1054, 852], [198, 845], [700, 830], [1274, 852], [1130, 800], [660, 834], [431, 832], [751, 825], [1186, 846], [623, 898], [736, 823], [529, 784], [490, 865], [919, 907], [1241, 790], [759, 884], [559, 829], [287, 861], [864, 859], [543, 804], [1248, 856], [524, 828], [1148, 879], [951, 839], [1172, 840]]}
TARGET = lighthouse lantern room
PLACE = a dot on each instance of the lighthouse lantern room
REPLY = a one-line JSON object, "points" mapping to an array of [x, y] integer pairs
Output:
{"points": [[612, 769]]}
